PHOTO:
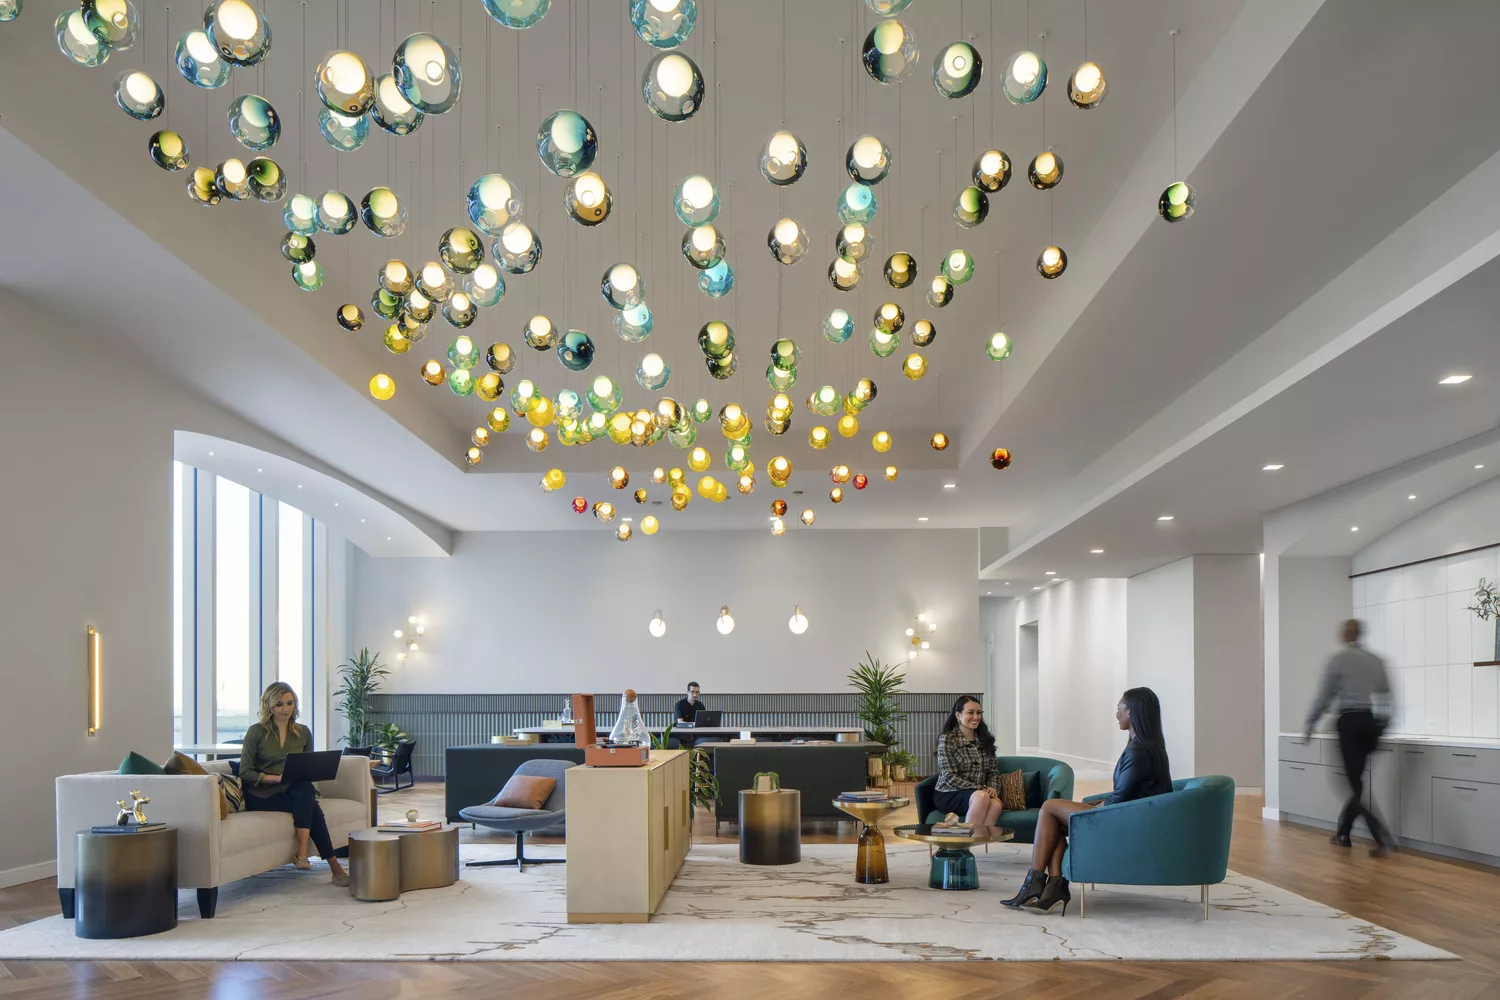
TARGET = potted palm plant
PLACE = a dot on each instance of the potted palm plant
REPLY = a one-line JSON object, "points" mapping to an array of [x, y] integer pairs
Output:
{"points": [[878, 684], [359, 677], [900, 763]]}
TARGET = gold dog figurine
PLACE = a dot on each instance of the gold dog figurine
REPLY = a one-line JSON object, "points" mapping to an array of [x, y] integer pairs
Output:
{"points": [[135, 810]]}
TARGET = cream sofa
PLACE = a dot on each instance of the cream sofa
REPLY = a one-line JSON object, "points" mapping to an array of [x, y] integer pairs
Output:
{"points": [[210, 851]]}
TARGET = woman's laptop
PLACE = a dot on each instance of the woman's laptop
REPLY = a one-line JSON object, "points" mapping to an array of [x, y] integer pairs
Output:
{"points": [[318, 765]]}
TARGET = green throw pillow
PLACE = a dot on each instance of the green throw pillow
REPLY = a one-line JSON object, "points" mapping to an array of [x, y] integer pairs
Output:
{"points": [[135, 763]]}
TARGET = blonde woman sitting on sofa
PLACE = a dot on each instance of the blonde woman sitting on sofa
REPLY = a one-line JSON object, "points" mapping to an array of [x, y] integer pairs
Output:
{"points": [[263, 758]]}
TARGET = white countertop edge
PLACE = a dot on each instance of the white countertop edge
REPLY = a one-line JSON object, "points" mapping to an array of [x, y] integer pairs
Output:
{"points": [[1469, 742]]}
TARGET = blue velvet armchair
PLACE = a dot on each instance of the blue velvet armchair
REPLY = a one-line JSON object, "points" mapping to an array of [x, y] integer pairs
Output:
{"points": [[1181, 838], [1056, 783]]}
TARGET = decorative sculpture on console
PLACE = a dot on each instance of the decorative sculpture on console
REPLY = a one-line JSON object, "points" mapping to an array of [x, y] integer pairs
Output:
{"points": [[132, 811]]}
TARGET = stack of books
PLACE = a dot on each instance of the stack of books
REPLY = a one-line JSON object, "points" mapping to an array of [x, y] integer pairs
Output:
{"points": [[128, 828], [407, 826], [864, 796], [954, 829]]}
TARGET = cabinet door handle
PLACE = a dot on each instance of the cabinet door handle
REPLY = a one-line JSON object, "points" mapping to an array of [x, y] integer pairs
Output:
{"points": [[1466, 755], [1466, 788], [1417, 752], [1294, 768]]}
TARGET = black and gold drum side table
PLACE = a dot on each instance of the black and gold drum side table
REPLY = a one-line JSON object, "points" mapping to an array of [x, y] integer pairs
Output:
{"points": [[770, 827], [126, 883]]}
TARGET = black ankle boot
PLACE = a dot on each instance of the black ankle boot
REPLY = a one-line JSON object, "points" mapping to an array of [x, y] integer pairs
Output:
{"points": [[1036, 882], [1056, 891]]}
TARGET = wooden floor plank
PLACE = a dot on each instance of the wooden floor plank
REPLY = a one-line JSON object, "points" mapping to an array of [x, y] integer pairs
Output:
{"points": [[1445, 903]]}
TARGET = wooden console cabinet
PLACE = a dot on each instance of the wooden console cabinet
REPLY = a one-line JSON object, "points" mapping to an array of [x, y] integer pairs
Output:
{"points": [[628, 832]]}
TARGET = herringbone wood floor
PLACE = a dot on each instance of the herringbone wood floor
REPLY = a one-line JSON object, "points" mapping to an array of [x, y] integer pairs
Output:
{"points": [[1449, 904]]}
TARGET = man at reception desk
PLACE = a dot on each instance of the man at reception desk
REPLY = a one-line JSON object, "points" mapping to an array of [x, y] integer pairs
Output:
{"points": [[689, 707]]}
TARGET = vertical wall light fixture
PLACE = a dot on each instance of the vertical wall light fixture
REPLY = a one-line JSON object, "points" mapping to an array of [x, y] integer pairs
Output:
{"points": [[96, 680], [415, 629]]}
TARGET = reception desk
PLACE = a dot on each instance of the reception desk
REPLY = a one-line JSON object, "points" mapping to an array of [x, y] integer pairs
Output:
{"points": [[629, 829], [767, 734]]}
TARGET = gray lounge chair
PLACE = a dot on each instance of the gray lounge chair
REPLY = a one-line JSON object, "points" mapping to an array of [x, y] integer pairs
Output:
{"points": [[523, 821]]}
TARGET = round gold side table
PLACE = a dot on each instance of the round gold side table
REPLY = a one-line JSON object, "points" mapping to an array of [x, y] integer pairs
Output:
{"points": [[126, 883], [869, 865], [770, 827], [383, 865]]}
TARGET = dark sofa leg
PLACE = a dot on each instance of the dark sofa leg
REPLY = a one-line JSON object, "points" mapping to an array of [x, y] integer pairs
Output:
{"points": [[65, 897], [208, 902]]}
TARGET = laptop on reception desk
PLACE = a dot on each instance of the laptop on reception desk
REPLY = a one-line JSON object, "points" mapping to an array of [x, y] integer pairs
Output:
{"points": [[707, 718]]}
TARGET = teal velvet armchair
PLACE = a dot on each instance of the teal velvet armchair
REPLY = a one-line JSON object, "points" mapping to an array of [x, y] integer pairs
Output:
{"points": [[1056, 783], [1181, 838]]}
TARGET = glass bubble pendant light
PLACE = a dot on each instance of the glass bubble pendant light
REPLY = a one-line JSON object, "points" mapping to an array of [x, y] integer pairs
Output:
{"points": [[518, 249], [838, 327], [1086, 86], [1177, 202], [201, 188], [971, 207], [623, 286], [672, 87], [391, 110], [77, 42], [844, 274], [1051, 262], [857, 203], [652, 373], [890, 52], [266, 179], [717, 281], [940, 293], [991, 170], [343, 133], [238, 31], [663, 24], [492, 204], [9, 10], [788, 241], [566, 143], [517, 14], [345, 84], [956, 70], [138, 95], [958, 266], [1045, 171], [703, 246], [169, 151], [1025, 77], [900, 269], [199, 62], [997, 348], [868, 160], [634, 324], [383, 213], [336, 213], [308, 275], [784, 159], [231, 180], [695, 201], [427, 73], [854, 242], [486, 286], [301, 214], [587, 199], [254, 122]]}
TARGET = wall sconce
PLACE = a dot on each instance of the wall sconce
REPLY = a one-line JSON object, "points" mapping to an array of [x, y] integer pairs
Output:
{"points": [[414, 630], [96, 680], [922, 626]]}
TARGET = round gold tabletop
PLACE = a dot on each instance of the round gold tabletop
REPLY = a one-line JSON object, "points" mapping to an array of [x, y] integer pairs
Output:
{"points": [[981, 835], [870, 812]]}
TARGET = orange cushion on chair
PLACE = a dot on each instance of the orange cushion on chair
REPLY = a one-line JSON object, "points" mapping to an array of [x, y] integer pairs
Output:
{"points": [[525, 791]]}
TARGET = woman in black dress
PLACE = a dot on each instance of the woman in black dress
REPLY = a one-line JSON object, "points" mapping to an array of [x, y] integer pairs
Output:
{"points": [[1143, 771]]}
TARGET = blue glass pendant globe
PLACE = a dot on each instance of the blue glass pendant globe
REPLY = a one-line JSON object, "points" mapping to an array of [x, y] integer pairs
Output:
{"points": [[342, 133], [517, 13], [857, 204], [199, 62], [427, 73], [566, 143], [254, 122], [717, 281], [663, 24]]}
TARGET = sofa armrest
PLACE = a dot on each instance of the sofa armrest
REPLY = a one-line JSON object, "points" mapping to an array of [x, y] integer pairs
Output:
{"points": [[1095, 798], [190, 802], [1058, 783], [353, 781]]}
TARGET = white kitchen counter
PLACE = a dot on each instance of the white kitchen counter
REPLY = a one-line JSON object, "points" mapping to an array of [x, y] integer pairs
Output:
{"points": [[1468, 742]]}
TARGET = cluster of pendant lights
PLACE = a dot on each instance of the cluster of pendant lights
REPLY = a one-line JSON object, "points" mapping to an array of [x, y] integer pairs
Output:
{"points": [[657, 626], [425, 78]]}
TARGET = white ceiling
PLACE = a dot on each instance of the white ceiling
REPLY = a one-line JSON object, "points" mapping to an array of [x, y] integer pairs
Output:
{"points": [[1307, 150]]}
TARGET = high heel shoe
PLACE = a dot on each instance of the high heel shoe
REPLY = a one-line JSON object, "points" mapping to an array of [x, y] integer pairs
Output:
{"points": [[1057, 891], [1031, 889]]}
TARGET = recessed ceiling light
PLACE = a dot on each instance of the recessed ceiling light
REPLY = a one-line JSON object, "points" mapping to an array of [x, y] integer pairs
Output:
{"points": [[210, 454], [1411, 496], [260, 470], [361, 520], [950, 486], [299, 486], [1007, 583], [1454, 379], [1036, 588], [1353, 527], [1096, 552], [1051, 572], [335, 503], [1167, 517], [1272, 467], [1479, 466], [921, 519], [989, 593]]}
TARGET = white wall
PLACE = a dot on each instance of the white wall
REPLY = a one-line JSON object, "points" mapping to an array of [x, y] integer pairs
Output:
{"points": [[998, 632], [1161, 656], [1228, 690], [1082, 657], [567, 611], [86, 539], [1417, 618], [1314, 600], [1466, 521]]}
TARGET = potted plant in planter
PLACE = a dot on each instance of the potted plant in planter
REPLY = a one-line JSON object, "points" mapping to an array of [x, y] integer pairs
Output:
{"points": [[878, 684], [1486, 606], [388, 736], [899, 762], [703, 787], [360, 677]]}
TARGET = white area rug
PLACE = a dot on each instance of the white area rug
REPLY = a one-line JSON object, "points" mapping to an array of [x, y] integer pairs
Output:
{"points": [[721, 910]]}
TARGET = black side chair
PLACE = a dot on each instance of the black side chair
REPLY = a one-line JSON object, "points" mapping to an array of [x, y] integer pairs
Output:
{"points": [[394, 766]]}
